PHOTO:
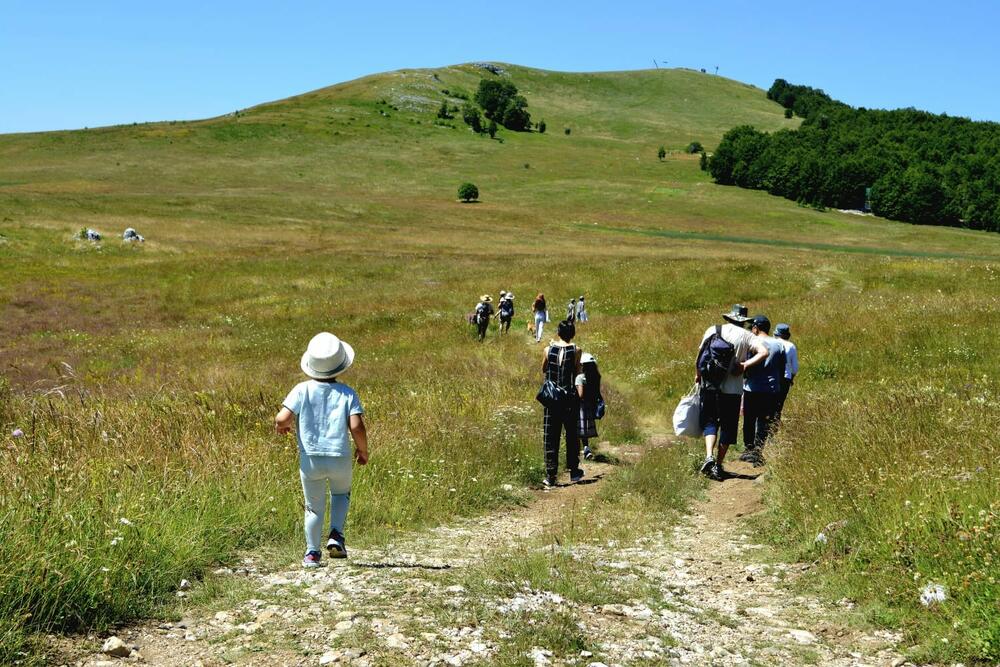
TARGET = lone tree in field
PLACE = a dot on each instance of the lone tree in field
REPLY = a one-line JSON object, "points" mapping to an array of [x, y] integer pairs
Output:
{"points": [[662, 153], [695, 147], [541, 127], [468, 192]]}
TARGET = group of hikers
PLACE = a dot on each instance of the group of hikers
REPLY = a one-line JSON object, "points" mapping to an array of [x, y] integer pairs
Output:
{"points": [[576, 311], [741, 367], [735, 366]]}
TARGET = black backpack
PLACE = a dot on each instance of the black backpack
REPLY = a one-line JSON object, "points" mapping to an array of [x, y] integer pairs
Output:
{"points": [[483, 312], [715, 358]]}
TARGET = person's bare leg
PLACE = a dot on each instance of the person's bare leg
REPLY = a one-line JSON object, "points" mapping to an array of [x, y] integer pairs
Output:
{"points": [[710, 445]]}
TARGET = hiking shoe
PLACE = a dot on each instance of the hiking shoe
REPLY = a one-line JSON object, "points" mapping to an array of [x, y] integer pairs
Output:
{"points": [[747, 455], [707, 466], [758, 459], [575, 475], [718, 472], [311, 560], [335, 545], [549, 482], [587, 454]]}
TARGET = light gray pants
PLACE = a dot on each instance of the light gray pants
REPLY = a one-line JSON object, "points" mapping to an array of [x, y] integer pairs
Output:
{"points": [[316, 472], [539, 325]]}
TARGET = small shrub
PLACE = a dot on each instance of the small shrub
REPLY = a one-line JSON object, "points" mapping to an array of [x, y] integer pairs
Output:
{"points": [[472, 118], [443, 111], [695, 147], [788, 113], [492, 129], [662, 153], [541, 127], [567, 131], [703, 161], [468, 192], [527, 165]]}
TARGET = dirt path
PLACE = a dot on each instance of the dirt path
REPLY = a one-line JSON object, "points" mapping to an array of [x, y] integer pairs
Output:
{"points": [[713, 600]]}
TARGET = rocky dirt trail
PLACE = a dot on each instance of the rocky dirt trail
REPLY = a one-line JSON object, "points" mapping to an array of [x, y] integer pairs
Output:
{"points": [[713, 598]]}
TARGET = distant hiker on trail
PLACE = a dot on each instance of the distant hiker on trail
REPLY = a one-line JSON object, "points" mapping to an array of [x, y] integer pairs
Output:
{"points": [[505, 311], [541, 315], [717, 371], [484, 311], [761, 389], [783, 333], [561, 365], [324, 411], [571, 311], [588, 388], [581, 310]]}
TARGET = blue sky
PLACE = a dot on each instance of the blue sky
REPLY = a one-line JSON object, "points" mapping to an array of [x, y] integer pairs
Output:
{"points": [[74, 64]]}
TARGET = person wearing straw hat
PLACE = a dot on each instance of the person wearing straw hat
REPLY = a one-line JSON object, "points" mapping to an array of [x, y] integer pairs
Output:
{"points": [[719, 403], [326, 415], [505, 312], [484, 311]]}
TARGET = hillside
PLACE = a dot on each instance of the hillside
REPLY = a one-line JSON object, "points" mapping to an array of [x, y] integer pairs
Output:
{"points": [[138, 382]]}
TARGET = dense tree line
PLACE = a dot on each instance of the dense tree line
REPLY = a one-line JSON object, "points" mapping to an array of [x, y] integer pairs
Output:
{"points": [[920, 167]]}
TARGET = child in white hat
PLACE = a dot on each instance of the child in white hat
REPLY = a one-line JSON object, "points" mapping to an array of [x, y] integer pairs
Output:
{"points": [[325, 412]]}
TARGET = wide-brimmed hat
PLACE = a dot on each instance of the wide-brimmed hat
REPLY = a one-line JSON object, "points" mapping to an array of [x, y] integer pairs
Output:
{"points": [[738, 315], [587, 358], [326, 357], [782, 330], [486, 298]]}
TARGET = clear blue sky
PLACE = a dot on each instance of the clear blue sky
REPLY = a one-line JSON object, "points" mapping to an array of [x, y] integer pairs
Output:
{"points": [[74, 64]]}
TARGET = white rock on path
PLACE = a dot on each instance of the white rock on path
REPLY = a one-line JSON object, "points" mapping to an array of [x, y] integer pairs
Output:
{"points": [[329, 658], [115, 647], [802, 636]]}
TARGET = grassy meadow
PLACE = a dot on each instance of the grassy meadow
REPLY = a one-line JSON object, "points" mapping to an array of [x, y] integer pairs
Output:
{"points": [[144, 377]]}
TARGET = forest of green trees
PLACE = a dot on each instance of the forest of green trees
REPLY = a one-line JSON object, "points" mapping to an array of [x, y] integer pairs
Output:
{"points": [[914, 166]]}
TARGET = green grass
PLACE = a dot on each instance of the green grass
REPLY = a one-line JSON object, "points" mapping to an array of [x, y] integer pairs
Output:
{"points": [[319, 212]]}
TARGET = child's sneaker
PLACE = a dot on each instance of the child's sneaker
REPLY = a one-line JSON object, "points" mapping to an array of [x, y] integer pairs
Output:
{"points": [[335, 545], [311, 560], [587, 454]]}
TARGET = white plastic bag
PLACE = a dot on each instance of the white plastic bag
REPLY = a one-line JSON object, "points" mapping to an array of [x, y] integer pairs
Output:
{"points": [[687, 416]]}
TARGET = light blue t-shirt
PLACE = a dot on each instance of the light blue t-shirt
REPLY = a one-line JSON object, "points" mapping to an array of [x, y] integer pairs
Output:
{"points": [[324, 412]]}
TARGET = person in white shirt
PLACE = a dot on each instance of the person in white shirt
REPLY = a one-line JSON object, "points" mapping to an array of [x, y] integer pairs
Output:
{"points": [[783, 333], [720, 404]]}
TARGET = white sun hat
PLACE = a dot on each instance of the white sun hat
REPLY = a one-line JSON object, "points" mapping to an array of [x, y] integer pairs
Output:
{"points": [[326, 357], [587, 358]]}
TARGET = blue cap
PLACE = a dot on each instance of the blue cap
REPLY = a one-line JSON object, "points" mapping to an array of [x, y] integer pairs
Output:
{"points": [[783, 331]]}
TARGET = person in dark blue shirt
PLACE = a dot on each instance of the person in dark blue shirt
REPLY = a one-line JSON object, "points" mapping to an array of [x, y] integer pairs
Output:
{"points": [[761, 392]]}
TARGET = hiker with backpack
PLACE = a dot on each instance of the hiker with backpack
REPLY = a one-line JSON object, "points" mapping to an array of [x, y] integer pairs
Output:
{"points": [[783, 333], [561, 366], [761, 390], [540, 315], [505, 312], [718, 370], [588, 388], [484, 311]]}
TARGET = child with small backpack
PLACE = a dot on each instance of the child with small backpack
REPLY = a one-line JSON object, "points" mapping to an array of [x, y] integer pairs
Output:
{"points": [[506, 312], [588, 388], [326, 416]]}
